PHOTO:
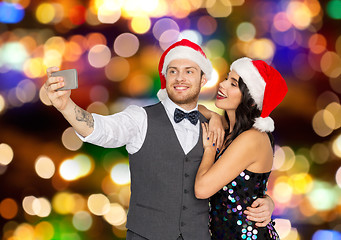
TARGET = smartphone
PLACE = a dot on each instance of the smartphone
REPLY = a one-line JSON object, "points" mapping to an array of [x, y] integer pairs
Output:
{"points": [[70, 78]]}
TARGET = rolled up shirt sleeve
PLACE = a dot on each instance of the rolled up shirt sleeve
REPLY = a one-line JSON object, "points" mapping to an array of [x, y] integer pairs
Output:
{"points": [[128, 128]]}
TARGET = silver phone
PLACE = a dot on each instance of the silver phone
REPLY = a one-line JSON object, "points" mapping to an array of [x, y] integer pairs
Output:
{"points": [[70, 78]]}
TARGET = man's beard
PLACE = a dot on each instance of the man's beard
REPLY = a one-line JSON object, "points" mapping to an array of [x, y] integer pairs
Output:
{"points": [[188, 100]]}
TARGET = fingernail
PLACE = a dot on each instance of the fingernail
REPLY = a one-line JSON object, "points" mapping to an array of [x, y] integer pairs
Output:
{"points": [[213, 144], [208, 138], [218, 150]]}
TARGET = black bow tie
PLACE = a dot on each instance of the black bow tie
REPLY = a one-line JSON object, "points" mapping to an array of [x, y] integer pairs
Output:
{"points": [[191, 116]]}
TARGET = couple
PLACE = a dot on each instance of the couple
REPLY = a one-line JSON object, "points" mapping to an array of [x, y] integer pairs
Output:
{"points": [[173, 156]]}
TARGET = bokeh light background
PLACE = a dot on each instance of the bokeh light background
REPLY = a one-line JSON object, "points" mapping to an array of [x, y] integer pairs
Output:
{"points": [[53, 186]]}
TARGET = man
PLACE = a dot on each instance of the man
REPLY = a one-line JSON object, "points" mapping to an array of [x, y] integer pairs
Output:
{"points": [[164, 145]]}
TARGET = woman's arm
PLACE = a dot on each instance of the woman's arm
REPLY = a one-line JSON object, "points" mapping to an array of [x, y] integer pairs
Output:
{"points": [[217, 125], [211, 177]]}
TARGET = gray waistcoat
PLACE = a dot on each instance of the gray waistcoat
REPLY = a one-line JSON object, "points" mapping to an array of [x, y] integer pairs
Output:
{"points": [[162, 203]]}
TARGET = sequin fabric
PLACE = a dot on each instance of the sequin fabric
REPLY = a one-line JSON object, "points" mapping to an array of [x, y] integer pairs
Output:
{"points": [[227, 220]]}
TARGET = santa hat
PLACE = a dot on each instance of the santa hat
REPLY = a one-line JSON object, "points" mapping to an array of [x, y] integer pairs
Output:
{"points": [[266, 86], [183, 49]]}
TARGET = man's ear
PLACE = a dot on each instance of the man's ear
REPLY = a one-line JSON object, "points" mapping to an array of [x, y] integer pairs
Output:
{"points": [[203, 80]]}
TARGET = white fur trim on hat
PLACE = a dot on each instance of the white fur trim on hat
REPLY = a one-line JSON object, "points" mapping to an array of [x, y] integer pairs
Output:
{"points": [[184, 52], [250, 75], [162, 94], [264, 124]]}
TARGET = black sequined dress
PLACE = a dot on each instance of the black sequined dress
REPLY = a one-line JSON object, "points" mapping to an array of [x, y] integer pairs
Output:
{"points": [[227, 220]]}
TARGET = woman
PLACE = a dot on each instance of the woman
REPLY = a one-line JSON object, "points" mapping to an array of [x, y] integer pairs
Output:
{"points": [[237, 175]]}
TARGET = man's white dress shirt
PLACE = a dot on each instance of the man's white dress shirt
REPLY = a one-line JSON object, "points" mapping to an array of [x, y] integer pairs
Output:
{"points": [[129, 128]]}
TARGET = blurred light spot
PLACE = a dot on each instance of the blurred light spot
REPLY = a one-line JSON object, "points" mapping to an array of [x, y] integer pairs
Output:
{"points": [[261, 49], [191, 35], [284, 38], [98, 107], [335, 84], [164, 25], [77, 14], [213, 81], [116, 215], [8, 208], [282, 192], [82, 221], [12, 99], [24, 232], [109, 12], [120, 173], [80, 202], [317, 43], [44, 230], [334, 11], [336, 146], [168, 38], [73, 51], [281, 22], [63, 203], [52, 58], [306, 208], [301, 183], [126, 45], [26, 91], [2, 104], [180, 8], [124, 195], [283, 227], [27, 204], [246, 31], [70, 140], [207, 25], [34, 67], [219, 8], [11, 12], [44, 167], [45, 13], [3, 169], [299, 14], [289, 161], [55, 43], [301, 165], [319, 153], [6, 154], [99, 94], [137, 84], [304, 72], [326, 234], [98, 204], [94, 39], [69, 170], [140, 24], [331, 64], [326, 98], [323, 197], [320, 126], [41, 207], [338, 175], [13, 55], [117, 69], [335, 109], [43, 97], [99, 56]]}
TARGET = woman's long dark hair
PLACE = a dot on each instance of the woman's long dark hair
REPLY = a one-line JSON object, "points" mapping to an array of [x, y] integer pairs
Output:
{"points": [[246, 113]]}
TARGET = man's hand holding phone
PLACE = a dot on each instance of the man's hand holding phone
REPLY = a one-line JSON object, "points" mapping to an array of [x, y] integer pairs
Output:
{"points": [[58, 86]]}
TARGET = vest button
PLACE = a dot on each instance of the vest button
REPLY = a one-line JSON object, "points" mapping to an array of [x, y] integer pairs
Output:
{"points": [[186, 159], [185, 191], [182, 224], [186, 175], [184, 207]]}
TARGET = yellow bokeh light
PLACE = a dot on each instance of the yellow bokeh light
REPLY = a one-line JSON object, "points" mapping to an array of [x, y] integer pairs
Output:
{"points": [[45, 13], [27, 204], [319, 124], [219, 8], [63, 203], [290, 159], [109, 12], [98, 204], [55, 43], [331, 64], [335, 109], [282, 191], [44, 167], [140, 24], [117, 69], [44, 230], [301, 165], [116, 215], [301, 183], [6, 154], [299, 14], [98, 107], [336, 146], [261, 49], [2, 104], [319, 153], [34, 68], [41, 207], [24, 231]]}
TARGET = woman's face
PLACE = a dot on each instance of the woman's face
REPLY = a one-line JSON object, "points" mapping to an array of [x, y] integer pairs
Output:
{"points": [[229, 95]]}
